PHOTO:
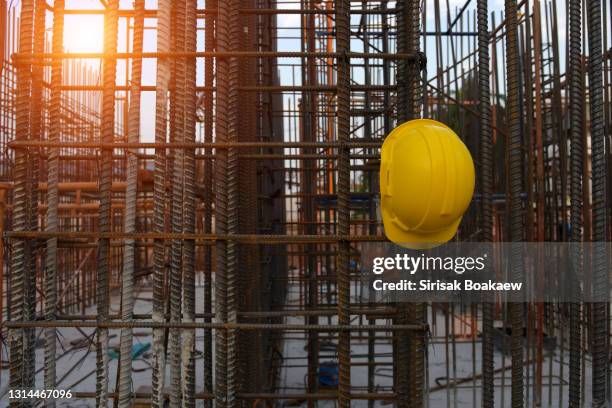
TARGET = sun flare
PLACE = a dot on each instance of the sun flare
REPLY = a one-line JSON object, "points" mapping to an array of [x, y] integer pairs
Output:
{"points": [[84, 33]]}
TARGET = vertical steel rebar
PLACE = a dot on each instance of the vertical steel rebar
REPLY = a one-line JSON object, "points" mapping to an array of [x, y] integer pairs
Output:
{"points": [[402, 360], [20, 247], [55, 129], [233, 113], [402, 80], [343, 97], [410, 346], [417, 311], [177, 204], [486, 189], [308, 133], [515, 165], [104, 214], [159, 272], [576, 158], [413, 40], [209, 45], [189, 203], [37, 130], [601, 277], [372, 210], [131, 197], [222, 119]]}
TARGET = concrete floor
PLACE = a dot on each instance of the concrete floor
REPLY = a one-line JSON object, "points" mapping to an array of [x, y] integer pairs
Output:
{"points": [[76, 368]]}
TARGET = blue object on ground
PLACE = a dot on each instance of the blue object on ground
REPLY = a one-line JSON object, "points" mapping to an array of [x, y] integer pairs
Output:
{"points": [[328, 374], [137, 350]]}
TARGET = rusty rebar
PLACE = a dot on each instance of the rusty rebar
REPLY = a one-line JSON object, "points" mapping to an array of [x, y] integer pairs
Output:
{"points": [[127, 281], [178, 130], [515, 164], [222, 118], [343, 186], [55, 126], [189, 193], [20, 247], [601, 277], [576, 166], [286, 168], [209, 45], [159, 274], [486, 189], [105, 173]]}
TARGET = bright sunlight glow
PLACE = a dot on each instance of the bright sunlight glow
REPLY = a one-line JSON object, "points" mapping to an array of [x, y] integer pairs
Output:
{"points": [[84, 33]]}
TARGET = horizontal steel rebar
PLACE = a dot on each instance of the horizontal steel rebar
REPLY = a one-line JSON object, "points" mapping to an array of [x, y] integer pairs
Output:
{"points": [[267, 396], [37, 57], [198, 145], [242, 238], [271, 88], [218, 326], [263, 11]]}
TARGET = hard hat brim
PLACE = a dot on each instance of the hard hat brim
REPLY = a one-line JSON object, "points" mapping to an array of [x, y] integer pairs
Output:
{"points": [[420, 240]]}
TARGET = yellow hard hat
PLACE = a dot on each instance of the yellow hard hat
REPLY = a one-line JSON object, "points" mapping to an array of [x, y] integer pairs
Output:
{"points": [[426, 183]]}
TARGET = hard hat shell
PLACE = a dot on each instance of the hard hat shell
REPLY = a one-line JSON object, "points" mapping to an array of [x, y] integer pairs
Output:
{"points": [[426, 183]]}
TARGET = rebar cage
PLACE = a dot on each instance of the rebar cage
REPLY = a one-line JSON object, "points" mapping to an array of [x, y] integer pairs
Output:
{"points": [[191, 200]]}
